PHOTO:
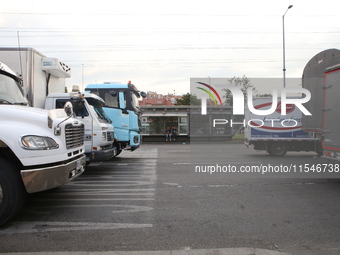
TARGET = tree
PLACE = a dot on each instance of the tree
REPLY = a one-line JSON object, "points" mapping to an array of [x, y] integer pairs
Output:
{"points": [[264, 95], [188, 99], [241, 83], [157, 125]]}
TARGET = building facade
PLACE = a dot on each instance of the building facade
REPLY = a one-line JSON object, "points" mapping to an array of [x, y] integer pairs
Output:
{"points": [[152, 98], [189, 122]]}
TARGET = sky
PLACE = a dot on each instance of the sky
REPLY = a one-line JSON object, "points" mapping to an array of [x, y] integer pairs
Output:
{"points": [[160, 45]]}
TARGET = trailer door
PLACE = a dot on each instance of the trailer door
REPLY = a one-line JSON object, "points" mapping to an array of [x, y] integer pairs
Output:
{"points": [[331, 110]]}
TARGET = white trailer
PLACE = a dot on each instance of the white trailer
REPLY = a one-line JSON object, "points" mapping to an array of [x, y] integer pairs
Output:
{"points": [[40, 75], [276, 133]]}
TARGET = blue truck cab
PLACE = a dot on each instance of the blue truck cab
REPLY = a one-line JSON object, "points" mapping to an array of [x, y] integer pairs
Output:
{"points": [[122, 107]]}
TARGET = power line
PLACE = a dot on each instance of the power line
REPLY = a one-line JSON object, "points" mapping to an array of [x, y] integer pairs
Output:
{"points": [[159, 14], [207, 30]]}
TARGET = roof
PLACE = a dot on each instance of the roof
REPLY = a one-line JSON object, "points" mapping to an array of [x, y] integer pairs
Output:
{"points": [[106, 86], [75, 94]]}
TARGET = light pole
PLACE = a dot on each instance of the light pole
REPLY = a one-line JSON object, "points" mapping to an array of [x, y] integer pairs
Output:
{"points": [[284, 46]]}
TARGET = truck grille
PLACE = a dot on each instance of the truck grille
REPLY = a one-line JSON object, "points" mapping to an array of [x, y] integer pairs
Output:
{"points": [[110, 136], [74, 136]]}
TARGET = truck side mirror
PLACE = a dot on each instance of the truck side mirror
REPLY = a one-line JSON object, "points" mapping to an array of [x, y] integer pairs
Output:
{"points": [[68, 108], [143, 94], [80, 107], [113, 93]]}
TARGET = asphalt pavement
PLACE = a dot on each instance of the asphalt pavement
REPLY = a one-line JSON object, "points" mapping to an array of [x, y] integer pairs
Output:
{"points": [[225, 251], [152, 201]]}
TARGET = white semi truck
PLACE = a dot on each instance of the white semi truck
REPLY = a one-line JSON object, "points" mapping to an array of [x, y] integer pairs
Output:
{"points": [[39, 149], [99, 131], [44, 81]]}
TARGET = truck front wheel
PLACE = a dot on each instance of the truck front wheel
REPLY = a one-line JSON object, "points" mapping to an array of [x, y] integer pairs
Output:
{"points": [[118, 152], [12, 191], [278, 149]]}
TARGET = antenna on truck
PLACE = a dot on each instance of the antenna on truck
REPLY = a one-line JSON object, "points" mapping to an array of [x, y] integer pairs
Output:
{"points": [[19, 53]]}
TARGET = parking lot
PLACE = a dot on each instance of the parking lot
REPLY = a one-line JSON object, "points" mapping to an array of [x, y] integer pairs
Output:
{"points": [[154, 199]]}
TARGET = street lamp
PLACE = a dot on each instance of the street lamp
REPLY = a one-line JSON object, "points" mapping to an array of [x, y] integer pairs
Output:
{"points": [[284, 50]]}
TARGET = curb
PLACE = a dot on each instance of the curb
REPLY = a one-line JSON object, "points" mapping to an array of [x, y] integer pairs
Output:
{"points": [[225, 251]]}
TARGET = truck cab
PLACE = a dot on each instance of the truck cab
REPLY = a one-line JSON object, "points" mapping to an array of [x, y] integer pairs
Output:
{"points": [[39, 149], [99, 131], [122, 107]]}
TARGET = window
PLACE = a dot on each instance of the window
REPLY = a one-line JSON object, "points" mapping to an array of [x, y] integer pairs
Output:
{"points": [[183, 120], [110, 100], [78, 107]]}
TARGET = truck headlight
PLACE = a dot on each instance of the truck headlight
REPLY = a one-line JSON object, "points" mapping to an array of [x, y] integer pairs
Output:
{"points": [[32, 142], [104, 136]]}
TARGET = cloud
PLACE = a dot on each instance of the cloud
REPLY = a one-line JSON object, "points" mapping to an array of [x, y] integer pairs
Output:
{"points": [[162, 47]]}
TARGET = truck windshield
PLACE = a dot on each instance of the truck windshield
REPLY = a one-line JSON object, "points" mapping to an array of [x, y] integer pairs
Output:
{"points": [[111, 98], [10, 92], [98, 109]]}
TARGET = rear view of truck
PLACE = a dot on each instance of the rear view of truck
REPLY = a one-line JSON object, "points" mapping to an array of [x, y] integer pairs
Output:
{"points": [[276, 133], [321, 76], [331, 120], [39, 149]]}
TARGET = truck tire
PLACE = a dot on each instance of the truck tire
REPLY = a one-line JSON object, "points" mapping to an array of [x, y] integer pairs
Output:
{"points": [[118, 152], [278, 149], [12, 191], [318, 149]]}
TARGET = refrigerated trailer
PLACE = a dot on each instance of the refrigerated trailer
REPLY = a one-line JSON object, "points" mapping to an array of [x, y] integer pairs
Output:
{"points": [[40, 74]]}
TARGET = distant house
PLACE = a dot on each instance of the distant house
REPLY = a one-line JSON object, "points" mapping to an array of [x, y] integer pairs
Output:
{"points": [[154, 99]]}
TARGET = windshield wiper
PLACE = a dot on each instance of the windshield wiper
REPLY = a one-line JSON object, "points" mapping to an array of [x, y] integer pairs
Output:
{"points": [[20, 103], [103, 117], [5, 101]]}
